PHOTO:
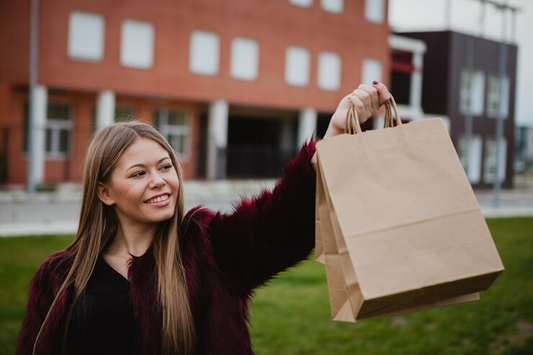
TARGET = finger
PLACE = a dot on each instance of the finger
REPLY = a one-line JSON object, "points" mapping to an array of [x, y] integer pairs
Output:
{"points": [[359, 106], [365, 97], [383, 92], [373, 92]]}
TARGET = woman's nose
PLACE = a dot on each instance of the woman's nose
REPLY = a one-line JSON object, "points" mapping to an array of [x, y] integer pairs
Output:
{"points": [[157, 181]]}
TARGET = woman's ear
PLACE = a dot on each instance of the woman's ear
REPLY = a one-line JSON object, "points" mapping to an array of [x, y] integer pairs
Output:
{"points": [[104, 196]]}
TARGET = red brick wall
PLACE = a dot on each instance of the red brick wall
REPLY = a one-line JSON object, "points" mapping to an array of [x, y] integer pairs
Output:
{"points": [[274, 24], [14, 41]]}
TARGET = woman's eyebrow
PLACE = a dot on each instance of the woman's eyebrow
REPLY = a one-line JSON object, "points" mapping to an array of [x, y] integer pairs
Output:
{"points": [[142, 165]]}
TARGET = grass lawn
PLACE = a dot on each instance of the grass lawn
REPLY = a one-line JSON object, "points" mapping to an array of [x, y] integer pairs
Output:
{"points": [[291, 315]]}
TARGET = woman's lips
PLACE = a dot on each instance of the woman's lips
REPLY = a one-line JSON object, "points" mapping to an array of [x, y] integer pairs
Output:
{"points": [[159, 200]]}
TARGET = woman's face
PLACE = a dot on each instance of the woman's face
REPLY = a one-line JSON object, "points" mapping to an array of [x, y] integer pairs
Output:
{"points": [[144, 184]]}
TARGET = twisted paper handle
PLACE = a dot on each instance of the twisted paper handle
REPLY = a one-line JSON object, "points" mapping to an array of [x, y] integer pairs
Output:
{"points": [[389, 106], [353, 126]]}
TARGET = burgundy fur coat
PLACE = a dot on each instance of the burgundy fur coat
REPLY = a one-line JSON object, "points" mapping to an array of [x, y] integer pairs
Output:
{"points": [[226, 257]]}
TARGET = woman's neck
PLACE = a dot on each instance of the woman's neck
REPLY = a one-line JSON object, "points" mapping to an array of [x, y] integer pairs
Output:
{"points": [[133, 240]]}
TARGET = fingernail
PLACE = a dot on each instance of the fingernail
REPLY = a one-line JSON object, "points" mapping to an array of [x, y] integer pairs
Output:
{"points": [[375, 82]]}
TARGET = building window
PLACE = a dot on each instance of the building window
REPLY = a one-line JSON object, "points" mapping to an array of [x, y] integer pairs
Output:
{"points": [[137, 44], [56, 129], [335, 6], [471, 159], [498, 105], [86, 36], [125, 113], [329, 71], [302, 3], [472, 92], [375, 11], [297, 66], [372, 71], [204, 53], [244, 59], [489, 168], [174, 126]]}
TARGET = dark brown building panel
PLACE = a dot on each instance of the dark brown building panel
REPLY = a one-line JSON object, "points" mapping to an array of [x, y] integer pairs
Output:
{"points": [[446, 57]]}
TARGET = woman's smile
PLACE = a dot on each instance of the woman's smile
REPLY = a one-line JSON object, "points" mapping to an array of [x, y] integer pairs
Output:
{"points": [[144, 173], [159, 200]]}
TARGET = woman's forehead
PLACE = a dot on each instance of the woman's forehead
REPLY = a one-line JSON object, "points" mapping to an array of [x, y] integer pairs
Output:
{"points": [[143, 151]]}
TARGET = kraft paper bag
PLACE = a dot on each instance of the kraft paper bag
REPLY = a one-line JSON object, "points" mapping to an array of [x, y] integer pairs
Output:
{"points": [[398, 225]]}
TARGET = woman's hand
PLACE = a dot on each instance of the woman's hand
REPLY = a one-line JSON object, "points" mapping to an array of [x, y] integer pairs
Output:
{"points": [[367, 101]]}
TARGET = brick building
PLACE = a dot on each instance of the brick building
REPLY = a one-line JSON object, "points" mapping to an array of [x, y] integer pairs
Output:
{"points": [[235, 85]]}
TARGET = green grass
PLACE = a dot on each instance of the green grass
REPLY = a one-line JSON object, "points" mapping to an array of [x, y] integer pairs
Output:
{"points": [[19, 259], [291, 315]]}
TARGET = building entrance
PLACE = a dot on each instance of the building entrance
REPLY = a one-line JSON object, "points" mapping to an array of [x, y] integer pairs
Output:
{"points": [[258, 147]]}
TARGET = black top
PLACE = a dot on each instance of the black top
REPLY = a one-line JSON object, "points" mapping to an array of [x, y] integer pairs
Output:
{"points": [[102, 320]]}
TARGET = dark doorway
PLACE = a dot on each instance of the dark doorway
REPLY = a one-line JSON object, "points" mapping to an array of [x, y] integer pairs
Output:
{"points": [[255, 149], [322, 124]]}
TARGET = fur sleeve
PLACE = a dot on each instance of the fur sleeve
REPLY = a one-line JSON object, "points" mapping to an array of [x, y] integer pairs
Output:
{"points": [[43, 286], [271, 232]]}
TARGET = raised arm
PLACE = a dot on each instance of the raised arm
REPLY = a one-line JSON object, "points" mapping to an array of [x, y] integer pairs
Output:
{"points": [[267, 234], [271, 232]]}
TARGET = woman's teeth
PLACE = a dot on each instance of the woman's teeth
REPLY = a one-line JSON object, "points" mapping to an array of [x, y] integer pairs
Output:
{"points": [[157, 199]]}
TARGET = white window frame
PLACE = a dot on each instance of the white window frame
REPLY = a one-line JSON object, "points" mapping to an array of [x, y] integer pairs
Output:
{"points": [[329, 71], [135, 33], [297, 66], [472, 162], [489, 163], [55, 126], [86, 36], [204, 54], [244, 59], [472, 92], [184, 132], [302, 3], [333, 6], [375, 11], [496, 105], [372, 70]]}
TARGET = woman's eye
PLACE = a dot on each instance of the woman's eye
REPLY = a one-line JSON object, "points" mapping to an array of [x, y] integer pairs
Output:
{"points": [[166, 167], [138, 173]]}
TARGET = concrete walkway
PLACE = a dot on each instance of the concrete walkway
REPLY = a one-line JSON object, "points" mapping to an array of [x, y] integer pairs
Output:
{"points": [[57, 212]]}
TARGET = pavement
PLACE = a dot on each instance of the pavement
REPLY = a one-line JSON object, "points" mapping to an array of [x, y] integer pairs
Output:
{"points": [[57, 212]]}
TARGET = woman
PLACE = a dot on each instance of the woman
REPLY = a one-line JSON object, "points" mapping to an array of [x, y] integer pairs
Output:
{"points": [[142, 278]]}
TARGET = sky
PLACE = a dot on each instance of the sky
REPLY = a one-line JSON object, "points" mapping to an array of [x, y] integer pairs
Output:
{"points": [[419, 15]]}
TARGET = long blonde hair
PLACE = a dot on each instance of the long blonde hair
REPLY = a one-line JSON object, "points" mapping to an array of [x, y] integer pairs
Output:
{"points": [[98, 225]]}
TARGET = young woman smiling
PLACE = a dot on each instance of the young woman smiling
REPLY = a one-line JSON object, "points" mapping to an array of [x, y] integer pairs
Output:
{"points": [[143, 278]]}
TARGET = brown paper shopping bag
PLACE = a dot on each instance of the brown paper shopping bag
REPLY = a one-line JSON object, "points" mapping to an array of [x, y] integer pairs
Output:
{"points": [[398, 225]]}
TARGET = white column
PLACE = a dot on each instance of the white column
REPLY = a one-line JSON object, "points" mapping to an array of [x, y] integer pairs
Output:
{"points": [[217, 139], [306, 125], [39, 107], [105, 109], [416, 80]]}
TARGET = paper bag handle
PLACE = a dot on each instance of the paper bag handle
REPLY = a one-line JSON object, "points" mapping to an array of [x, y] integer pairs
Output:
{"points": [[353, 126], [389, 106]]}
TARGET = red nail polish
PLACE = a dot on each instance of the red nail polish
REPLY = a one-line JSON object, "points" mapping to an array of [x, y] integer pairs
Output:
{"points": [[375, 82]]}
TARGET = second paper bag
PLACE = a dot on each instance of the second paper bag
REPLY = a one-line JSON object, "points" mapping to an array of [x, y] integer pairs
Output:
{"points": [[409, 234]]}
